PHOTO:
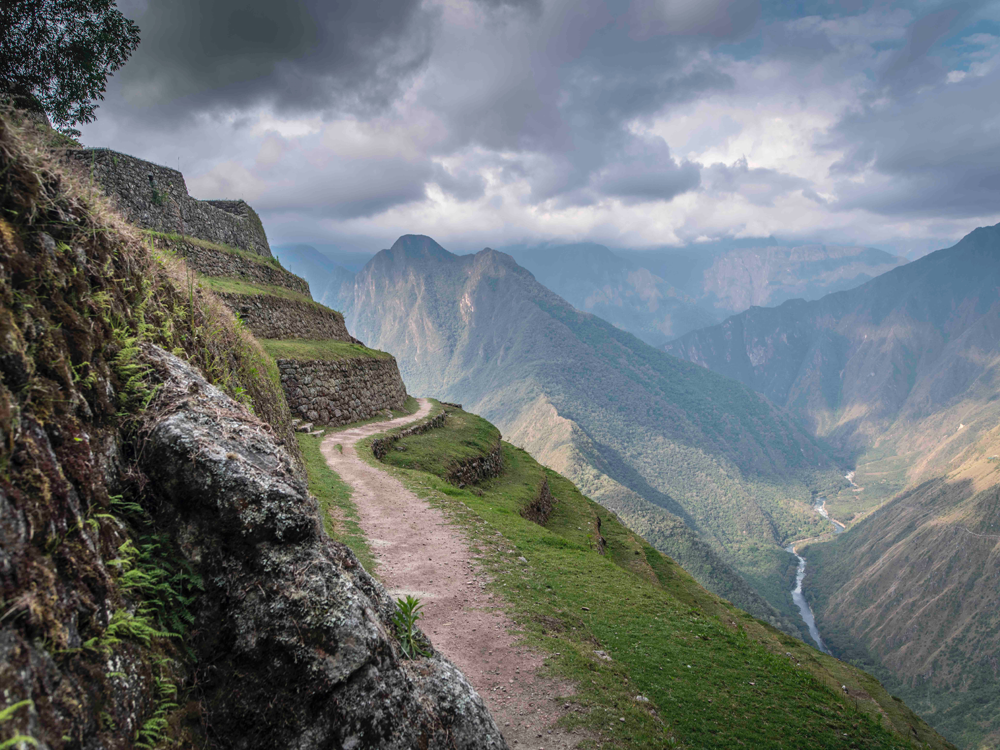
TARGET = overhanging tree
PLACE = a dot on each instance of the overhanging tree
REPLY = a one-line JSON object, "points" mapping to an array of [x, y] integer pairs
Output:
{"points": [[56, 55]]}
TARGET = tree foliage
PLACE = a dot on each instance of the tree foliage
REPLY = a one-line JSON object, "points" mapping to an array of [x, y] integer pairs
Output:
{"points": [[56, 55]]}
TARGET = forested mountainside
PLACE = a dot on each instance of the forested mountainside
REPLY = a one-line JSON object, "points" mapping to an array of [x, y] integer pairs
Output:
{"points": [[902, 375], [899, 372], [669, 446]]}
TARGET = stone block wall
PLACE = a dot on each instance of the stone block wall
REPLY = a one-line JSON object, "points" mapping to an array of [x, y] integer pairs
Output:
{"points": [[343, 391], [156, 197], [270, 317], [380, 446], [212, 262], [475, 470]]}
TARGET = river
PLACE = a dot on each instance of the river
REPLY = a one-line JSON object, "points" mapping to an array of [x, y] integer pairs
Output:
{"points": [[819, 505], [800, 601]]}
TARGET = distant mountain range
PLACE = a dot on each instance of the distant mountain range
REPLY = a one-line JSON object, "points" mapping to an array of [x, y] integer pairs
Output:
{"points": [[656, 295], [900, 373], [672, 448]]}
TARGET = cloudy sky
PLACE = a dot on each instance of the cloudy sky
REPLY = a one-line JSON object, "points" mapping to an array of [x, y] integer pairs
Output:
{"points": [[636, 123]]}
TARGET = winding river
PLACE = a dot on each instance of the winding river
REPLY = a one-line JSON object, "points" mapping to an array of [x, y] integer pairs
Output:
{"points": [[800, 601], [797, 596]]}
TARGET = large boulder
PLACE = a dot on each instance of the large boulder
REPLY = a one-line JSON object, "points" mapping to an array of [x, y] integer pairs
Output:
{"points": [[294, 638]]}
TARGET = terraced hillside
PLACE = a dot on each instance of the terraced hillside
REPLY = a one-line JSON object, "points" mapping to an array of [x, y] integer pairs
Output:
{"points": [[657, 660], [328, 376]]}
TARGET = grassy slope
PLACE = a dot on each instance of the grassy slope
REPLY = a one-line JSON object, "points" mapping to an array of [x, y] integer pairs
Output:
{"points": [[238, 286], [714, 676], [326, 349]]}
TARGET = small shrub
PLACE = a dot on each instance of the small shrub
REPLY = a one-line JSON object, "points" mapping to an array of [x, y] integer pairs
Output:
{"points": [[405, 621]]}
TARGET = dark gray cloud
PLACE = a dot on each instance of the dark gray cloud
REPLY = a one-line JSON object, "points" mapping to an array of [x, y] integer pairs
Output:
{"points": [[351, 113], [924, 146], [717, 19], [645, 171], [295, 55]]}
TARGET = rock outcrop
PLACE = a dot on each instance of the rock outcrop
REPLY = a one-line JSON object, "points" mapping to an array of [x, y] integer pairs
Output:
{"points": [[296, 637]]}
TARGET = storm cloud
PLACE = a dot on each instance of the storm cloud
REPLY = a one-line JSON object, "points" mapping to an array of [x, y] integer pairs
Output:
{"points": [[629, 122]]}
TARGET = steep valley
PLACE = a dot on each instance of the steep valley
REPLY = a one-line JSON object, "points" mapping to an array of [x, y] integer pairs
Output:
{"points": [[703, 468], [901, 375]]}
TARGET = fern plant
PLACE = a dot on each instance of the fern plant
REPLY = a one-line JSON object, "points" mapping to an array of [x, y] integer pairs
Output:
{"points": [[18, 740], [405, 621]]}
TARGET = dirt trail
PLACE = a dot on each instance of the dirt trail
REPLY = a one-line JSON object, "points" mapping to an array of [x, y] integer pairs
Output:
{"points": [[420, 553]]}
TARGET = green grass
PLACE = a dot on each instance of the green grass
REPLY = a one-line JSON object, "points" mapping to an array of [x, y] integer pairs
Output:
{"points": [[340, 516], [325, 349], [714, 677], [440, 451], [221, 247], [236, 286]]}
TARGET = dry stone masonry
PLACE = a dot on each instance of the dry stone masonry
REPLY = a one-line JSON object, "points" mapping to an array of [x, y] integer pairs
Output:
{"points": [[211, 261], [380, 446], [342, 391], [475, 470], [156, 197], [270, 317]]}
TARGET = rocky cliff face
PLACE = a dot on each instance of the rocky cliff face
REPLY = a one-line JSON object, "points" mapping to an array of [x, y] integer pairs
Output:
{"points": [[162, 575]]}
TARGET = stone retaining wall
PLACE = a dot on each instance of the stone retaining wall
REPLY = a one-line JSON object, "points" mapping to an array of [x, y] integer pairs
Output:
{"points": [[475, 470], [539, 509], [156, 197], [381, 446], [270, 317], [342, 391], [212, 262]]}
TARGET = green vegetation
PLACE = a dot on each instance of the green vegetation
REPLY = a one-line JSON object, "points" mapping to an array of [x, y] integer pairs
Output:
{"points": [[467, 437], [340, 516], [639, 638], [170, 237], [56, 55], [81, 299], [325, 349], [913, 586], [238, 286], [707, 469], [405, 620], [6, 716]]}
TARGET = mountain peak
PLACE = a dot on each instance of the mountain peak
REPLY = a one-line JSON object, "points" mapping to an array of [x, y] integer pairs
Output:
{"points": [[418, 247]]}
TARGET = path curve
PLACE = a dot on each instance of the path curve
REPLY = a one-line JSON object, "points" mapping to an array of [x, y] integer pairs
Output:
{"points": [[420, 553]]}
